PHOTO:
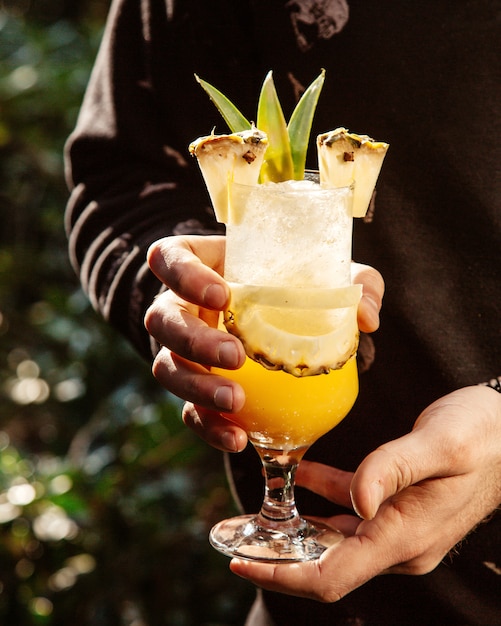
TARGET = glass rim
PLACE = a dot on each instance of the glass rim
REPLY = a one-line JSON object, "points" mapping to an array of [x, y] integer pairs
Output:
{"points": [[309, 175]]}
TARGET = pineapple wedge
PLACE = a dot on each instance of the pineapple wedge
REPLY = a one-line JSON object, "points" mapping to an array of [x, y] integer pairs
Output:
{"points": [[344, 158], [223, 159], [304, 332]]}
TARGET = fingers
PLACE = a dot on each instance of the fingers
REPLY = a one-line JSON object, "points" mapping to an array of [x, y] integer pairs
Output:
{"points": [[328, 482], [184, 319], [189, 347], [192, 266], [372, 296], [440, 445], [214, 429], [193, 382], [212, 393], [189, 331], [339, 570], [392, 468]]}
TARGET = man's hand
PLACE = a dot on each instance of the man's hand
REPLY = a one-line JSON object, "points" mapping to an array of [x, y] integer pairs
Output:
{"points": [[184, 319], [418, 496]]}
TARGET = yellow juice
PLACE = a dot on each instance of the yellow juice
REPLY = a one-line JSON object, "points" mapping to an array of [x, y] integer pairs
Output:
{"points": [[285, 412]]}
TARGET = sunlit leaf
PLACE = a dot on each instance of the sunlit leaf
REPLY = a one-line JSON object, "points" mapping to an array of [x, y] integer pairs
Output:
{"points": [[277, 164], [231, 115], [288, 144], [299, 126]]}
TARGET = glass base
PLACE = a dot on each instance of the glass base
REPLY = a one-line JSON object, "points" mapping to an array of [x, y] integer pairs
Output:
{"points": [[254, 538]]}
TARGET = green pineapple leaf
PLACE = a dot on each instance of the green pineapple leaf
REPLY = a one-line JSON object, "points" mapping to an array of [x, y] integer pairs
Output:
{"points": [[299, 127], [231, 115], [277, 165], [287, 143]]}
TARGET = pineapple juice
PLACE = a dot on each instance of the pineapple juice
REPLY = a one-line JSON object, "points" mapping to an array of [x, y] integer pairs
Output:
{"points": [[287, 412]]}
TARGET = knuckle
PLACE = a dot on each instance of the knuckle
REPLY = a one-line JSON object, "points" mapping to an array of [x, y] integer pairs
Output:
{"points": [[170, 371], [402, 466], [330, 592], [155, 255], [160, 366], [187, 346], [167, 260], [154, 320], [190, 416], [194, 388], [151, 254], [149, 317]]}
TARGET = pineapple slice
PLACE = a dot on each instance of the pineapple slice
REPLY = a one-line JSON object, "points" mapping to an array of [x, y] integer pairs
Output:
{"points": [[295, 298], [278, 331], [344, 158], [229, 158]]}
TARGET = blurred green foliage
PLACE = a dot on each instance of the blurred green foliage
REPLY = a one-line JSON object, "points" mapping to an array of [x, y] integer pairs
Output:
{"points": [[105, 498]]}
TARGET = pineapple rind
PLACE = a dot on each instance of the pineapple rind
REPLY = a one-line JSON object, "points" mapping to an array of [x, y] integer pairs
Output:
{"points": [[299, 355], [344, 158], [223, 159]]}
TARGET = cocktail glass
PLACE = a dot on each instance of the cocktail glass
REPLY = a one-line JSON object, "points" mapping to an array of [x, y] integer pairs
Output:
{"points": [[288, 256]]}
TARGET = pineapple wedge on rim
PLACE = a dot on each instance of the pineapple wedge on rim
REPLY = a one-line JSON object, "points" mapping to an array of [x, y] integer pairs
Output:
{"points": [[344, 158], [224, 159]]}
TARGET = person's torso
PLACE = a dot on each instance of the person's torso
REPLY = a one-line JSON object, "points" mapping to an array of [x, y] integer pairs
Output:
{"points": [[423, 76]]}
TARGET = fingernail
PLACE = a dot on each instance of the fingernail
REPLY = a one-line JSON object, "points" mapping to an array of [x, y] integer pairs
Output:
{"points": [[223, 398], [228, 354], [354, 505], [372, 501], [215, 296], [229, 442]]}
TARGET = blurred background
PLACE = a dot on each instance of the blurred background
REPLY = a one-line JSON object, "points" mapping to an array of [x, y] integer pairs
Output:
{"points": [[105, 498]]}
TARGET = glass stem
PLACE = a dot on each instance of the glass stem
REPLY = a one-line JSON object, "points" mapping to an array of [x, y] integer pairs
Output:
{"points": [[280, 467]]}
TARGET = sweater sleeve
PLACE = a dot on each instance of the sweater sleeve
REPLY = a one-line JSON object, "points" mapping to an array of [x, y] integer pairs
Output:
{"points": [[129, 185]]}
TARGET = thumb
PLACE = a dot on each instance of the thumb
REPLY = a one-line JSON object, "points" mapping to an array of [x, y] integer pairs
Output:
{"points": [[446, 441], [392, 468]]}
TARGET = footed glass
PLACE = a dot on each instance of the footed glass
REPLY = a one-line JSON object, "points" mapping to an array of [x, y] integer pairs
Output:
{"points": [[288, 256]]}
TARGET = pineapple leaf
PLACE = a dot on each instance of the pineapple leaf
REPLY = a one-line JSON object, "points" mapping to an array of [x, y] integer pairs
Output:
{"points": [[300, 123], [288, 143], [277, 165], [231, 115]]}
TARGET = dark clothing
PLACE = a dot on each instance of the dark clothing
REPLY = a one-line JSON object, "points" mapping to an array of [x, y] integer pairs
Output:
{"points": [[423, 76]]}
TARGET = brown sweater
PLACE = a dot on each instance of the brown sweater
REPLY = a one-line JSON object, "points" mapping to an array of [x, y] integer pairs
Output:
{"points": [[423, 76]]}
